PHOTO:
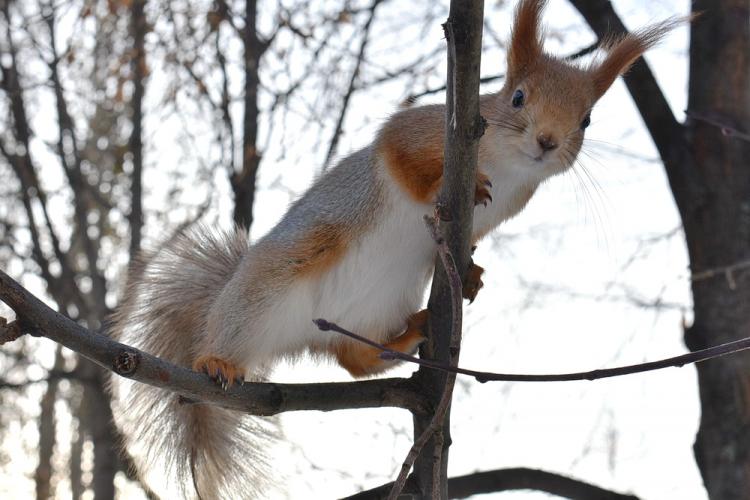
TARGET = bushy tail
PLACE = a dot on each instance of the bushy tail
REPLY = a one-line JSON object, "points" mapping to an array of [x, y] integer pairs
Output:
{"points": [[194, 450]]}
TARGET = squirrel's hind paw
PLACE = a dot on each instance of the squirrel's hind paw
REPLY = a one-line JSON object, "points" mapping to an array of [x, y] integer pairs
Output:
{"points": [[222, 372]]}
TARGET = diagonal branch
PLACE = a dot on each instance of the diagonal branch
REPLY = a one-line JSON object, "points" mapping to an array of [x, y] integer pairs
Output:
{"points": [[352, 84], [33, 316]]}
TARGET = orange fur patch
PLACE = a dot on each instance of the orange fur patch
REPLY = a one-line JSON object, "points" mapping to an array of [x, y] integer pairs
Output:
{"points": [[412, 146], [361, 360], [320, 249]]}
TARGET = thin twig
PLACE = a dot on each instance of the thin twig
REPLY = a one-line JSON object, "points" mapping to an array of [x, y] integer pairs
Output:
{"points": [[725, 129], [480, 376], [352, 84], [726, 271]]}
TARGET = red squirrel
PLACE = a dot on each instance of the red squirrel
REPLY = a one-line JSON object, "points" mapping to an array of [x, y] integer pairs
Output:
{"points": [[352, 250]]}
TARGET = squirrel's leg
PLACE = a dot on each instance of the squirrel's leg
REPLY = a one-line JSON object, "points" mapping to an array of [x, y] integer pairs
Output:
{"points": [[361, 360], [482, 190], [223, 372]]}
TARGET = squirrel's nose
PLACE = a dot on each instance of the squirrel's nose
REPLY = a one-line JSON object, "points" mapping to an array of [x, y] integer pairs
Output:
{"points": [[546, 142]]}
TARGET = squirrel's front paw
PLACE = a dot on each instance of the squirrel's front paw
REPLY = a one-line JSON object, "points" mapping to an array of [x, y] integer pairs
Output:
{"points": [[473, 282], [481, 190], [222, 372]]}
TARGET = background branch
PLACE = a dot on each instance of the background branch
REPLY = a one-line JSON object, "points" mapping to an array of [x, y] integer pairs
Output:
{"points": [[507, 480]]}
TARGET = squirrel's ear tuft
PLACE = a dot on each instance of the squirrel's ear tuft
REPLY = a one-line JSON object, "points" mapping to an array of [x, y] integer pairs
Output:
{"points": [[622, 52], [526, 43]]}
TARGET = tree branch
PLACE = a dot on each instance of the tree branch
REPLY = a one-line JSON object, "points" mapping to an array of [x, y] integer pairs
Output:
{"points": [[71, 160], [434, 427], [507, 480], [524, 479], [464, 126], [33, 316], [62, 288], [135, 143]]}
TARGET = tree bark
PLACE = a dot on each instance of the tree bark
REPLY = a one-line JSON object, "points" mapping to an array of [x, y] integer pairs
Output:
{"points": [[243, 182], [718, 235], [78, 408], [138, 70], [706, 161], [43, 473], [101, 431], [464, 127]]}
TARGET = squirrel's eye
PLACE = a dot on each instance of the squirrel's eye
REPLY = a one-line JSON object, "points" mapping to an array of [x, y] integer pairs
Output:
{"points": [[586, 122], [517, 101]]}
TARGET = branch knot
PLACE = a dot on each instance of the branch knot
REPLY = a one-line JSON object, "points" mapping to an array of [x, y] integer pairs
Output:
{"points": [[9, 331], [126, 362]]}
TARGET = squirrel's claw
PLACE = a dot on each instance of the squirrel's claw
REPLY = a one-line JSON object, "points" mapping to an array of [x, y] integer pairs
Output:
{"points": [[473, 282], [482, 190], [222, 372]]}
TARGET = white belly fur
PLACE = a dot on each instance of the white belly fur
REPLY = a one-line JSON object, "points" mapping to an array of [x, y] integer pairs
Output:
{"points": [[371, 291]]}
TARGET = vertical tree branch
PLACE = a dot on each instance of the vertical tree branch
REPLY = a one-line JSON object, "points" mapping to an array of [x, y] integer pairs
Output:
{"points": [[62, 288], [71, 160], [464, 127], [78, 408], [138, 71], [43, 473], [243, 182]]}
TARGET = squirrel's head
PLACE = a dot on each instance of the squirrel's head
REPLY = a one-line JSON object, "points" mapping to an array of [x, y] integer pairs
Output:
{"points": [[545, 105]]}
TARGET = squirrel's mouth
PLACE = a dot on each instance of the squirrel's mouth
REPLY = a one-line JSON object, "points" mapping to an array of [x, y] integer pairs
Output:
{"points": [[540, 158], [535, 156]]}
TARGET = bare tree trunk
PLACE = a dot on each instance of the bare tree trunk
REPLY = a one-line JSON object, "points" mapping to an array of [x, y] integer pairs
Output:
{"points": [[43, 473], [243, 182], [100, 428], [139, 73], [718, 235], [76, 449], [464, 127], [706, 161]]}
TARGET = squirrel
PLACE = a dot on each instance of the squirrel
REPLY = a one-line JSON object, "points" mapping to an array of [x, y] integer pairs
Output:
{"points": [[352, 249]]}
